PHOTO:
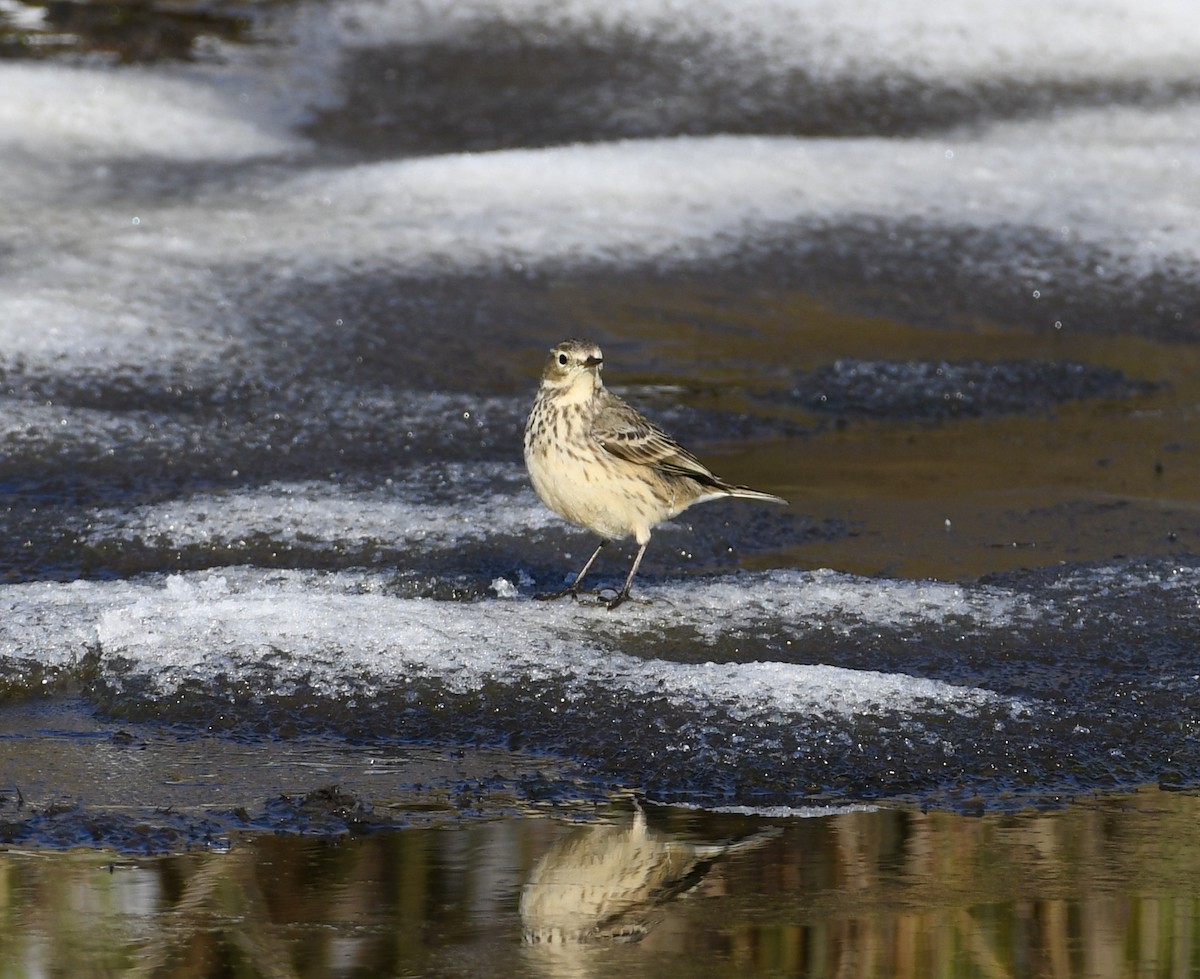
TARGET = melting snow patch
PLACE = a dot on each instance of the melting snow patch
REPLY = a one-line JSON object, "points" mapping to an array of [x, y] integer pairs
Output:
{"points": [[325, 513], [697, 197], [343, 632], [834, 40], [837, 601], [90, 112], [504, 588]]}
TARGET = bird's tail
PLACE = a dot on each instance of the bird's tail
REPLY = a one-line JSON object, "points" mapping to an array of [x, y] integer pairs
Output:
{"points": [[746, 493]]}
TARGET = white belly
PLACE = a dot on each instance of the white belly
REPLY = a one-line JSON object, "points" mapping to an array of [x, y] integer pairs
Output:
{"points": [[608, 497]]}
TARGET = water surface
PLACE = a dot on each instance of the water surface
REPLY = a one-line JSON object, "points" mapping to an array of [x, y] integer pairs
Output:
{"points": [[1101, 888]]}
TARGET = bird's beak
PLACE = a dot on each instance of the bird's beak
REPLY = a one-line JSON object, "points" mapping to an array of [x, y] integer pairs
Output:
{"points": [[593, 363]]}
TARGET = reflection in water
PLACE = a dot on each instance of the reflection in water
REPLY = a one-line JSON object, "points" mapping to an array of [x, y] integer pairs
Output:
{"points": [[226, 889], [610, 882], [1107, 888]]}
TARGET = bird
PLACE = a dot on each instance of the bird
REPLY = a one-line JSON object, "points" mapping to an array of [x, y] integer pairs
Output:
{"points": [[611, 882], [597, 461]]}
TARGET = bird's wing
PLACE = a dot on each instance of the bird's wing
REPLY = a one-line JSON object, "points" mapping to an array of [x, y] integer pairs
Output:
{"points": [[626, 434]]}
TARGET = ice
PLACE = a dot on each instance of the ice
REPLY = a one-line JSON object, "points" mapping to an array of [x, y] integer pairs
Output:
{"points": [[690, 198], [481, 502], [177, 241], [344, 631], [504, 588], [143, 271], [40, 428], [45, 331], [893, 690], [77, 294], [976, 39], [50, 623], [668, 196], [77, 112], [22, 17], [327, 513]]}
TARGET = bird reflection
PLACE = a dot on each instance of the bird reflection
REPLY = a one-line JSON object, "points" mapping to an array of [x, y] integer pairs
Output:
{"points": [[610, 882]]}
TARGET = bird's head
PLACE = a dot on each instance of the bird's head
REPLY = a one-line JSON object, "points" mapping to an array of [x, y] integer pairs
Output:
{"points": [[574, 366]]}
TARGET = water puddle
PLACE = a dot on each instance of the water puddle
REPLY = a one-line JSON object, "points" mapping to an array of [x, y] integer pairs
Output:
{"points": [[1103, 887]]}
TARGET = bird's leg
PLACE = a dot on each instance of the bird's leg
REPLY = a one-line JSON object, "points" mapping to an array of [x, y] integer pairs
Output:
{"points": [[623, 594], [573, 588]]}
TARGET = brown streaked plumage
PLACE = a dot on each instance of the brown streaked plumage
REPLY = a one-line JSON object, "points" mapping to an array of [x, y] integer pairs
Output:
{"points": [[605, 883], [598, 462]]}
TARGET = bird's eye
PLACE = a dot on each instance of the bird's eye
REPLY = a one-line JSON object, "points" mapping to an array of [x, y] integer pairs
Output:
{"points": [[562, 359]]}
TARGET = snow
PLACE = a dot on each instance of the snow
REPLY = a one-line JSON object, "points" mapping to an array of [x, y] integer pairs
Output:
{"points": [[331, 630], [107, 278]]}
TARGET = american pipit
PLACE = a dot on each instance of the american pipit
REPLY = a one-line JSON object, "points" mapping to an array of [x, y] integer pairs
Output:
{"points": [[598, 462], [609, 881]]}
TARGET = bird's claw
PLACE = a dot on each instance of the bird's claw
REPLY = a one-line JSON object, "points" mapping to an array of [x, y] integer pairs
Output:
{"points": [[622, 598]]}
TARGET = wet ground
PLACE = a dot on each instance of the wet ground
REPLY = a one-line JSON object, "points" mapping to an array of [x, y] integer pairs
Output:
{"points": [[275, 287]]}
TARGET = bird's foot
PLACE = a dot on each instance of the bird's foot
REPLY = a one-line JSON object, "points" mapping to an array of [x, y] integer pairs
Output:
{"points": [[591, 597], [622, 597], [572, 589], [550, 596]]}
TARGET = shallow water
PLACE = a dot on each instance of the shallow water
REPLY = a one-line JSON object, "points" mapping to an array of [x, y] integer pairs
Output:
{"points": [[274, 294], [1101, 888]]}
